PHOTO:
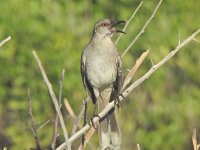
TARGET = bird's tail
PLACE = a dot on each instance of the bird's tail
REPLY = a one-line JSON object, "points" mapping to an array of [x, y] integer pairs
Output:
{"points": [[109, 132]]}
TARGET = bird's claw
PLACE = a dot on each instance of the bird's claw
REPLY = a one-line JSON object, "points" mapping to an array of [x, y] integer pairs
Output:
{"points": [[118, 103], [91, 123]]}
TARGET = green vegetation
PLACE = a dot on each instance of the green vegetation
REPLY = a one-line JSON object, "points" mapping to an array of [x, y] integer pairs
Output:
{"points": [[160, 114]]}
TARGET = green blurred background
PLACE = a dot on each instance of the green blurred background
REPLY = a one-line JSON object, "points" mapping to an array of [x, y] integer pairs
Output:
{"points": [[159, 114]]}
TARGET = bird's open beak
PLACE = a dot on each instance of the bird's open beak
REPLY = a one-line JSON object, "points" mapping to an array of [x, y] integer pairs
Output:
{"points": [[115, 23]]}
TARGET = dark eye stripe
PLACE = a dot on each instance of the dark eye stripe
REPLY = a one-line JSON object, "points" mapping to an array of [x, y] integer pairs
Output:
{"points": [[103, 25]]}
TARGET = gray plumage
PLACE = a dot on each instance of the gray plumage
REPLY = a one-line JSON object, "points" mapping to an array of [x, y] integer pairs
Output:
{"points": [[101, 70]]}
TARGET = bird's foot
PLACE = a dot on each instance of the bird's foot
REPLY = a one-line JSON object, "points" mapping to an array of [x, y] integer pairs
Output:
{"points": [[117, 102], [92, 123]]}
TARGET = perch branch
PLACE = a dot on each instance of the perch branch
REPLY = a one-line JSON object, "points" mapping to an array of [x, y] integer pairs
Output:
{"points": [[126, 82], [5, 40], [127, 23], [33, 124], [143, 29], [132, 87], [54, 99]]}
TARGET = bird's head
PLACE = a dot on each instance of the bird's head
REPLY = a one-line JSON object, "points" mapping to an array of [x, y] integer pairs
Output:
{"points": [[107, 27]]}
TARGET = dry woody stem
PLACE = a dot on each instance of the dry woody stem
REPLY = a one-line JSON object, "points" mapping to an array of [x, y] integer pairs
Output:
{"points": [[5, 40], [128, 90], [54, 99], [33, 124], [127, 23], [143, 29], [55, 132]]}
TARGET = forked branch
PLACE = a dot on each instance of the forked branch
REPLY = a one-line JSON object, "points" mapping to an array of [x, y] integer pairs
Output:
{"points": [[143, 29], [128, 90], [54, 99]]}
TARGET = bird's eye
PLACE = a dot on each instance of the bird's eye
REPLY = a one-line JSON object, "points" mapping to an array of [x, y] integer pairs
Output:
{"points": [[104, 24]]}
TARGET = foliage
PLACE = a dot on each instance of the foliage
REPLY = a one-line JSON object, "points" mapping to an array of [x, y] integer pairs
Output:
{"points": [[160, 114]]}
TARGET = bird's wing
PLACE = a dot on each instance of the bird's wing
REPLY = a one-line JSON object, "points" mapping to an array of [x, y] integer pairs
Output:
{"points": [[85, 80], [119, 78]]}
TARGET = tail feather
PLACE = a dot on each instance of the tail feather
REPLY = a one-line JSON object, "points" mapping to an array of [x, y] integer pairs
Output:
{"points": [[109, 132]]}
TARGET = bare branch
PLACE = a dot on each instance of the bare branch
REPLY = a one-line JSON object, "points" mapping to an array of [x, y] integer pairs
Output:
{"points": [[143, 29], [5, 148], [127, 23], [78, 119], [54, 99], [5, 40], [33, 128], [132, 87], [138, 146], [55, 131], [134, 69], [194, 140], [43, 125], [69, 108], [87, 138]]}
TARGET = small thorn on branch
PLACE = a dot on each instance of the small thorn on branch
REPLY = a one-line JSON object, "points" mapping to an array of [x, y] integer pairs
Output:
{"points": [[152, 63], [196, 40], [179, 38]]}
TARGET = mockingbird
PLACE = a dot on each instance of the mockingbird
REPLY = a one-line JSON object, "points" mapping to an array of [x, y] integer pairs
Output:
{"points": [[101, 70]]}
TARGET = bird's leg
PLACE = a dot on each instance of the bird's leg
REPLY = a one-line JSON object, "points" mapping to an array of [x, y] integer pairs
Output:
{"points": [[93, 116]]}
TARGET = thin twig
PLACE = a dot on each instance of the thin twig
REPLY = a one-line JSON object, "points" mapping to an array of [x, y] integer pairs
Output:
{"points": [[87, 137], [138, 146], [33, 124], [54, 99], [55, 131], [127, 23], [134, 69], [5, 40], [69, 108], [84, 123], [143, 29], [194, 140], [132, 87], [43, 125], [78, 119]]}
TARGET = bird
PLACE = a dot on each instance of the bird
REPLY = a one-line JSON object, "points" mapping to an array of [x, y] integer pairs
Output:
{"points": [[101, 70]]}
